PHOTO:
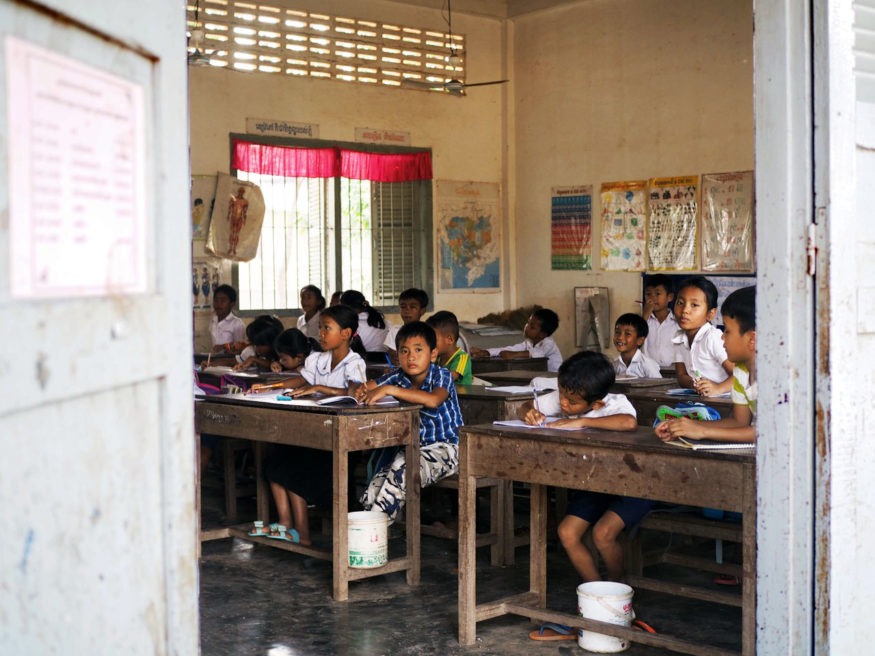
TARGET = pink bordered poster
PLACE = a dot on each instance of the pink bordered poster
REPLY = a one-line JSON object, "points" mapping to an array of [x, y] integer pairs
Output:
{"points": [[77, 212], [672, 223], [624, 215], [728, 222]]}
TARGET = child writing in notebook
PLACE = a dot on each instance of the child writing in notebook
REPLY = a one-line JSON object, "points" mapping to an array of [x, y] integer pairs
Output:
{"points": [[700, 359], [630, 334], [419, 380], [583, 401], [298, 475], [260, 333], [372, 325], [739, 338], [449, 354], [538, 343]]}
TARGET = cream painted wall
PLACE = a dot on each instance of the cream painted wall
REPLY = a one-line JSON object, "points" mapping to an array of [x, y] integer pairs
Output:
{"points": [[621, 90], [466, 134]]}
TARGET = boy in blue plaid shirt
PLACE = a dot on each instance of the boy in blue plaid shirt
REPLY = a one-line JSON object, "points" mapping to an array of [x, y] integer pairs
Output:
{"points": [[419, 380]]}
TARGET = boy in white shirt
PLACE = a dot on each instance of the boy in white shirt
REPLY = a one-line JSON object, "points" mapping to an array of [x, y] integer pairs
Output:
{"points": [[227, 330], [630, 333], [661, 323], [583, 401], [538, 343]]}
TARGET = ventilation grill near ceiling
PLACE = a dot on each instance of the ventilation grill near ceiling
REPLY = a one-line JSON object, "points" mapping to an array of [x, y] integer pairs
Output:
{"points": [[256, 37]]}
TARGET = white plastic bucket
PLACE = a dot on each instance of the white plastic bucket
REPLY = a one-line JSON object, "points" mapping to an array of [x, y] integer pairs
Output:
{"points": [[604, 601], [368, 542]]}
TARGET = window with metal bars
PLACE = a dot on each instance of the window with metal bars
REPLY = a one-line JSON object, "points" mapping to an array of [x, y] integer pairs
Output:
{"points": [[337, 233]]}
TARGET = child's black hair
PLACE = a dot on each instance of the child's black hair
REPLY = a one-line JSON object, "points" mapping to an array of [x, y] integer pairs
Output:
{"points": [[741, 305], [414, 294], [708, 288], [228, 291], [318, 292], [587, 373], [356, 300], [444, 321], [634, 320], [346, 317], [549, 320], [416, 329], [659, 280], [263, 330], [292, 342]]}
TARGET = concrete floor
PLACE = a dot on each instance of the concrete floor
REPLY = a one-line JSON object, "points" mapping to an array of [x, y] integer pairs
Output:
{"points": [[258, 600]]}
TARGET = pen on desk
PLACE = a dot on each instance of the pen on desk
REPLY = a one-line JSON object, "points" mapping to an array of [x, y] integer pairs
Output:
{"points": [[537, 406]]}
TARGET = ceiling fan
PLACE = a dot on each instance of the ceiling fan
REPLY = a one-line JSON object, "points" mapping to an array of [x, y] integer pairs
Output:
{"points": [[452, 85], [197, 55]]}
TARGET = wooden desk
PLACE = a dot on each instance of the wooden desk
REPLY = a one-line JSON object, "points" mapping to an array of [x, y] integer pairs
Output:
{"points": [[515, 376], [487, 365], [647, 399], [336, 429], [634, 464]]}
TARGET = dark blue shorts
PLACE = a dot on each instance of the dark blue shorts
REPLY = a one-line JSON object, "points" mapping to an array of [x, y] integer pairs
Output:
{"points": [[590, 506]]}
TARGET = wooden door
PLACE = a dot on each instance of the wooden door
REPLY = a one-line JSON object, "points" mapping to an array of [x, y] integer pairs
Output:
{"points": [[97, 527]]}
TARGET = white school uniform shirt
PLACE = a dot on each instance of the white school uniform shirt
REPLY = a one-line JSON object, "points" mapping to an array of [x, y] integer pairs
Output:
{"points": [[372, 338], [229, 329], [706, 354], [546, 348], [391, 334], [317, 370], [743, 392], [658, 345], [309, 328], [614, 404], [245, 354], [640, 367]]}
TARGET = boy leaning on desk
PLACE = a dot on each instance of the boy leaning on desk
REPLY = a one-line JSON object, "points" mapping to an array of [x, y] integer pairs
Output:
{"points": [[582, 401], [739, 340]]}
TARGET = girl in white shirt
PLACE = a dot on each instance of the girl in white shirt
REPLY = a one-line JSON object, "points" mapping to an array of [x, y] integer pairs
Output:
{"points": [[372, 325], [312, 304]]}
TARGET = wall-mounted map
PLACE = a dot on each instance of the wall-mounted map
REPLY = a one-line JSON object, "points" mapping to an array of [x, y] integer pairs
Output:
{"points": [[469, 235]]}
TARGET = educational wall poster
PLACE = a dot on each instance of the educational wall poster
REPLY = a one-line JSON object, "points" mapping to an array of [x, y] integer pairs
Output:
{"points": [[624, 207], [235, 222], [205, 277], [203, 196], [671, 228], [571, 228], [728, 221], [468, 235]]}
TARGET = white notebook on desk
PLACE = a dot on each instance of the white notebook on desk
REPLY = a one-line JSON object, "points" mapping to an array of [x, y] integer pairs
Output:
{"points": [[519, 423]]}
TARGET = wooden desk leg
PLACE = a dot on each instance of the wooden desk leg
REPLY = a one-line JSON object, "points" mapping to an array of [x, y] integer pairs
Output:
{"points": [[230, 475], [340, 524], [467, 551], [506, 527], [749, 564], [262, 487], [538, 544], [412, 489]]}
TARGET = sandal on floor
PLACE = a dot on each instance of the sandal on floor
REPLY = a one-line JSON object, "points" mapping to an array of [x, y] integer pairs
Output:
{"points": [[287, 535], [553, 631], [258, 529], [726, 579]]}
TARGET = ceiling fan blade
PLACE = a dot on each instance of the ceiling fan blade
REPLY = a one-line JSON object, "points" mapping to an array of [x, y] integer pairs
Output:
{"points": [[420, 84], [485, 84]]}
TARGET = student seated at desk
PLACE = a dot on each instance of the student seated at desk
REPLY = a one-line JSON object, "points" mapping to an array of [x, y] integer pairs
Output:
{"points": [[412, 304], [298, 475], [292, 348], [372, 325], [421, 381], [700, 359], [449, 354], [538, 343], [260, 333], [226, 329], [739, 338], [630, 333], [312, 303], [662, 327], [583, 400]]}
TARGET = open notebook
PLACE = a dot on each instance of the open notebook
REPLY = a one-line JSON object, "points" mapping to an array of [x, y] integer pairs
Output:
{"points": [[707, 445], [332, 400]]}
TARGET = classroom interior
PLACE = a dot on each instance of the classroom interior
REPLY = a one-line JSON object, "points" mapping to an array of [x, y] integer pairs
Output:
{"points": [[598, 91]]}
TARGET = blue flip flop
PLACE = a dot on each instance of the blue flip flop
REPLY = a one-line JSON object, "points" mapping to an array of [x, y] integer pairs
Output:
{"points": [[286, 535], [258, 530], [553, 631]]}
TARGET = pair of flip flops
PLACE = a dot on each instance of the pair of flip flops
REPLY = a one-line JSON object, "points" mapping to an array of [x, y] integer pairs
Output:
{"points": [[553, 631], [275, 532]]}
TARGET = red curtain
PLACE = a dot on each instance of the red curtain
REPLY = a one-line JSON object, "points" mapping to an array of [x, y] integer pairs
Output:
{"points": [[330, 163]]}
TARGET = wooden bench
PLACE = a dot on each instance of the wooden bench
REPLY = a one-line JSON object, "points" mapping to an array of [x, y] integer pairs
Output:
{"points": [[686, 523]]}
